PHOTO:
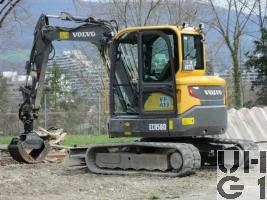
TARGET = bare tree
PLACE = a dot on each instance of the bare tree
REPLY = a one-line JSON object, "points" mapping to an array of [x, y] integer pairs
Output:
{"points": [[260, 12], [136, 12], [231, 26], [6, 9], [14, 16], [180, 11], [125, 12], [153, 12]]}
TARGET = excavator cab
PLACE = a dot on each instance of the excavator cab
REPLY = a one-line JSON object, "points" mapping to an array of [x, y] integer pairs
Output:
{"points": [[158, 86]]}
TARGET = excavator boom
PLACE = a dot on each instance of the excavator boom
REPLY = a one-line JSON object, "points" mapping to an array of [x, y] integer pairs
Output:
{"points": [[87, 29]]}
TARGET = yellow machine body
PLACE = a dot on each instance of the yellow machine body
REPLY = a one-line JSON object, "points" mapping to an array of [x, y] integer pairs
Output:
{"points": [[183, 78]]}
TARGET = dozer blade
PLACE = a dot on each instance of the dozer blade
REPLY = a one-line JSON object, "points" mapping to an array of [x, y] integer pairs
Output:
{"points": [[76, 157], [28, 148]]}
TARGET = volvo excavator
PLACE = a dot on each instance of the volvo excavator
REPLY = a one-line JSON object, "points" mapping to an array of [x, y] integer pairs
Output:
{"points": [[158, 91]]}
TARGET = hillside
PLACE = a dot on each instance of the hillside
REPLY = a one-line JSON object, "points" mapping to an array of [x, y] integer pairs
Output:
{"points": [[17, 48]]}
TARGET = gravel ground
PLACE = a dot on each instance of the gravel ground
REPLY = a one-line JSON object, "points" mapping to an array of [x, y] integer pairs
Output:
{"points": [[56, 181]]}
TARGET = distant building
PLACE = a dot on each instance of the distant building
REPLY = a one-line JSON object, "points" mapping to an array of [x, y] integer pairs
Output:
{"points": [[85, 77], [14, 82], [247, 76]]}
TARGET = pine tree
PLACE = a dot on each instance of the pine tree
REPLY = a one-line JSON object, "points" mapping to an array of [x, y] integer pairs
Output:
{"points": [[257, 60]]}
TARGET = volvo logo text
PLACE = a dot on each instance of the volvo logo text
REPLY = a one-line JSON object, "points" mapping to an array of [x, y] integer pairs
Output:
{"points": [[84, 34], [213, 92]]}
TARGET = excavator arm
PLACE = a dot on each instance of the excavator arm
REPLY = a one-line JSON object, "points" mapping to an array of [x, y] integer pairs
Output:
{"points": [[29, 147]]}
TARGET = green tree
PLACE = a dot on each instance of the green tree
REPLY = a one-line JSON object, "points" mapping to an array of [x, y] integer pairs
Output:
{"points": [[3, 94], [257, 60], [58, 91]]}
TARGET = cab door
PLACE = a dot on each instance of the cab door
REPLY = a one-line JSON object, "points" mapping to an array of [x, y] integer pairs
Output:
{"points": [[157, 75]]}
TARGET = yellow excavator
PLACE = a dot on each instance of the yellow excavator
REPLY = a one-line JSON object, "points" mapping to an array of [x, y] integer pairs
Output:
{"points": [[158, 91]]}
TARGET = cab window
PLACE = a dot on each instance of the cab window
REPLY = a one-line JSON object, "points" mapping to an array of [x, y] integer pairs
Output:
{"points": [[192, 52], [156, 59]]}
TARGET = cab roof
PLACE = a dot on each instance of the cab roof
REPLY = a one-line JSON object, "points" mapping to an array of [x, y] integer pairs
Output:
{"points": [[177, 29]]}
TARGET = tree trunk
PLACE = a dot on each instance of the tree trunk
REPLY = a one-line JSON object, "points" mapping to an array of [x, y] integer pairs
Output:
{"points": [[236, 79]]}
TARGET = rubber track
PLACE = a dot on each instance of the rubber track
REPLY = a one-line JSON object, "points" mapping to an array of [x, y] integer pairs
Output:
{"points": [[191, 159]]}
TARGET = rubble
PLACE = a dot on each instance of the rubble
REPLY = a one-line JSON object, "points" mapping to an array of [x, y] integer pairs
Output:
{"points": [[57, 154]]}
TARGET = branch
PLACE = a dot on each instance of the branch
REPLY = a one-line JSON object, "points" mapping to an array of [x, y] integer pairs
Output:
{"points": [[228, 17], [121, 10], [12, 6], [140, 4], [237, 23], [125, 10], [4, 7], [244, 23], [262, 13], [220, 26], [265, 11], [152, 7], [169, 11]]}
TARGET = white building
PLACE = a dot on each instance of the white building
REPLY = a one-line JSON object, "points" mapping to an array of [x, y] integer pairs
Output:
{"points": [[14, 81], [247, 76], [85, 77]]}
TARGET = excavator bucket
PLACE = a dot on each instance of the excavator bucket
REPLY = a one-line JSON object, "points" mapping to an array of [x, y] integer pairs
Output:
{"points": [[29, 148]]}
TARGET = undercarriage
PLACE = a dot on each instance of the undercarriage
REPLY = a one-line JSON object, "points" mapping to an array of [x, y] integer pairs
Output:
{"points": [[152, 156]]}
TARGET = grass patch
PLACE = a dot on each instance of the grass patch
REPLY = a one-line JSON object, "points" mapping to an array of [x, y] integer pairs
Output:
{"points": [[5, 139], [153, 197], [174, 197], [80, 140]]}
